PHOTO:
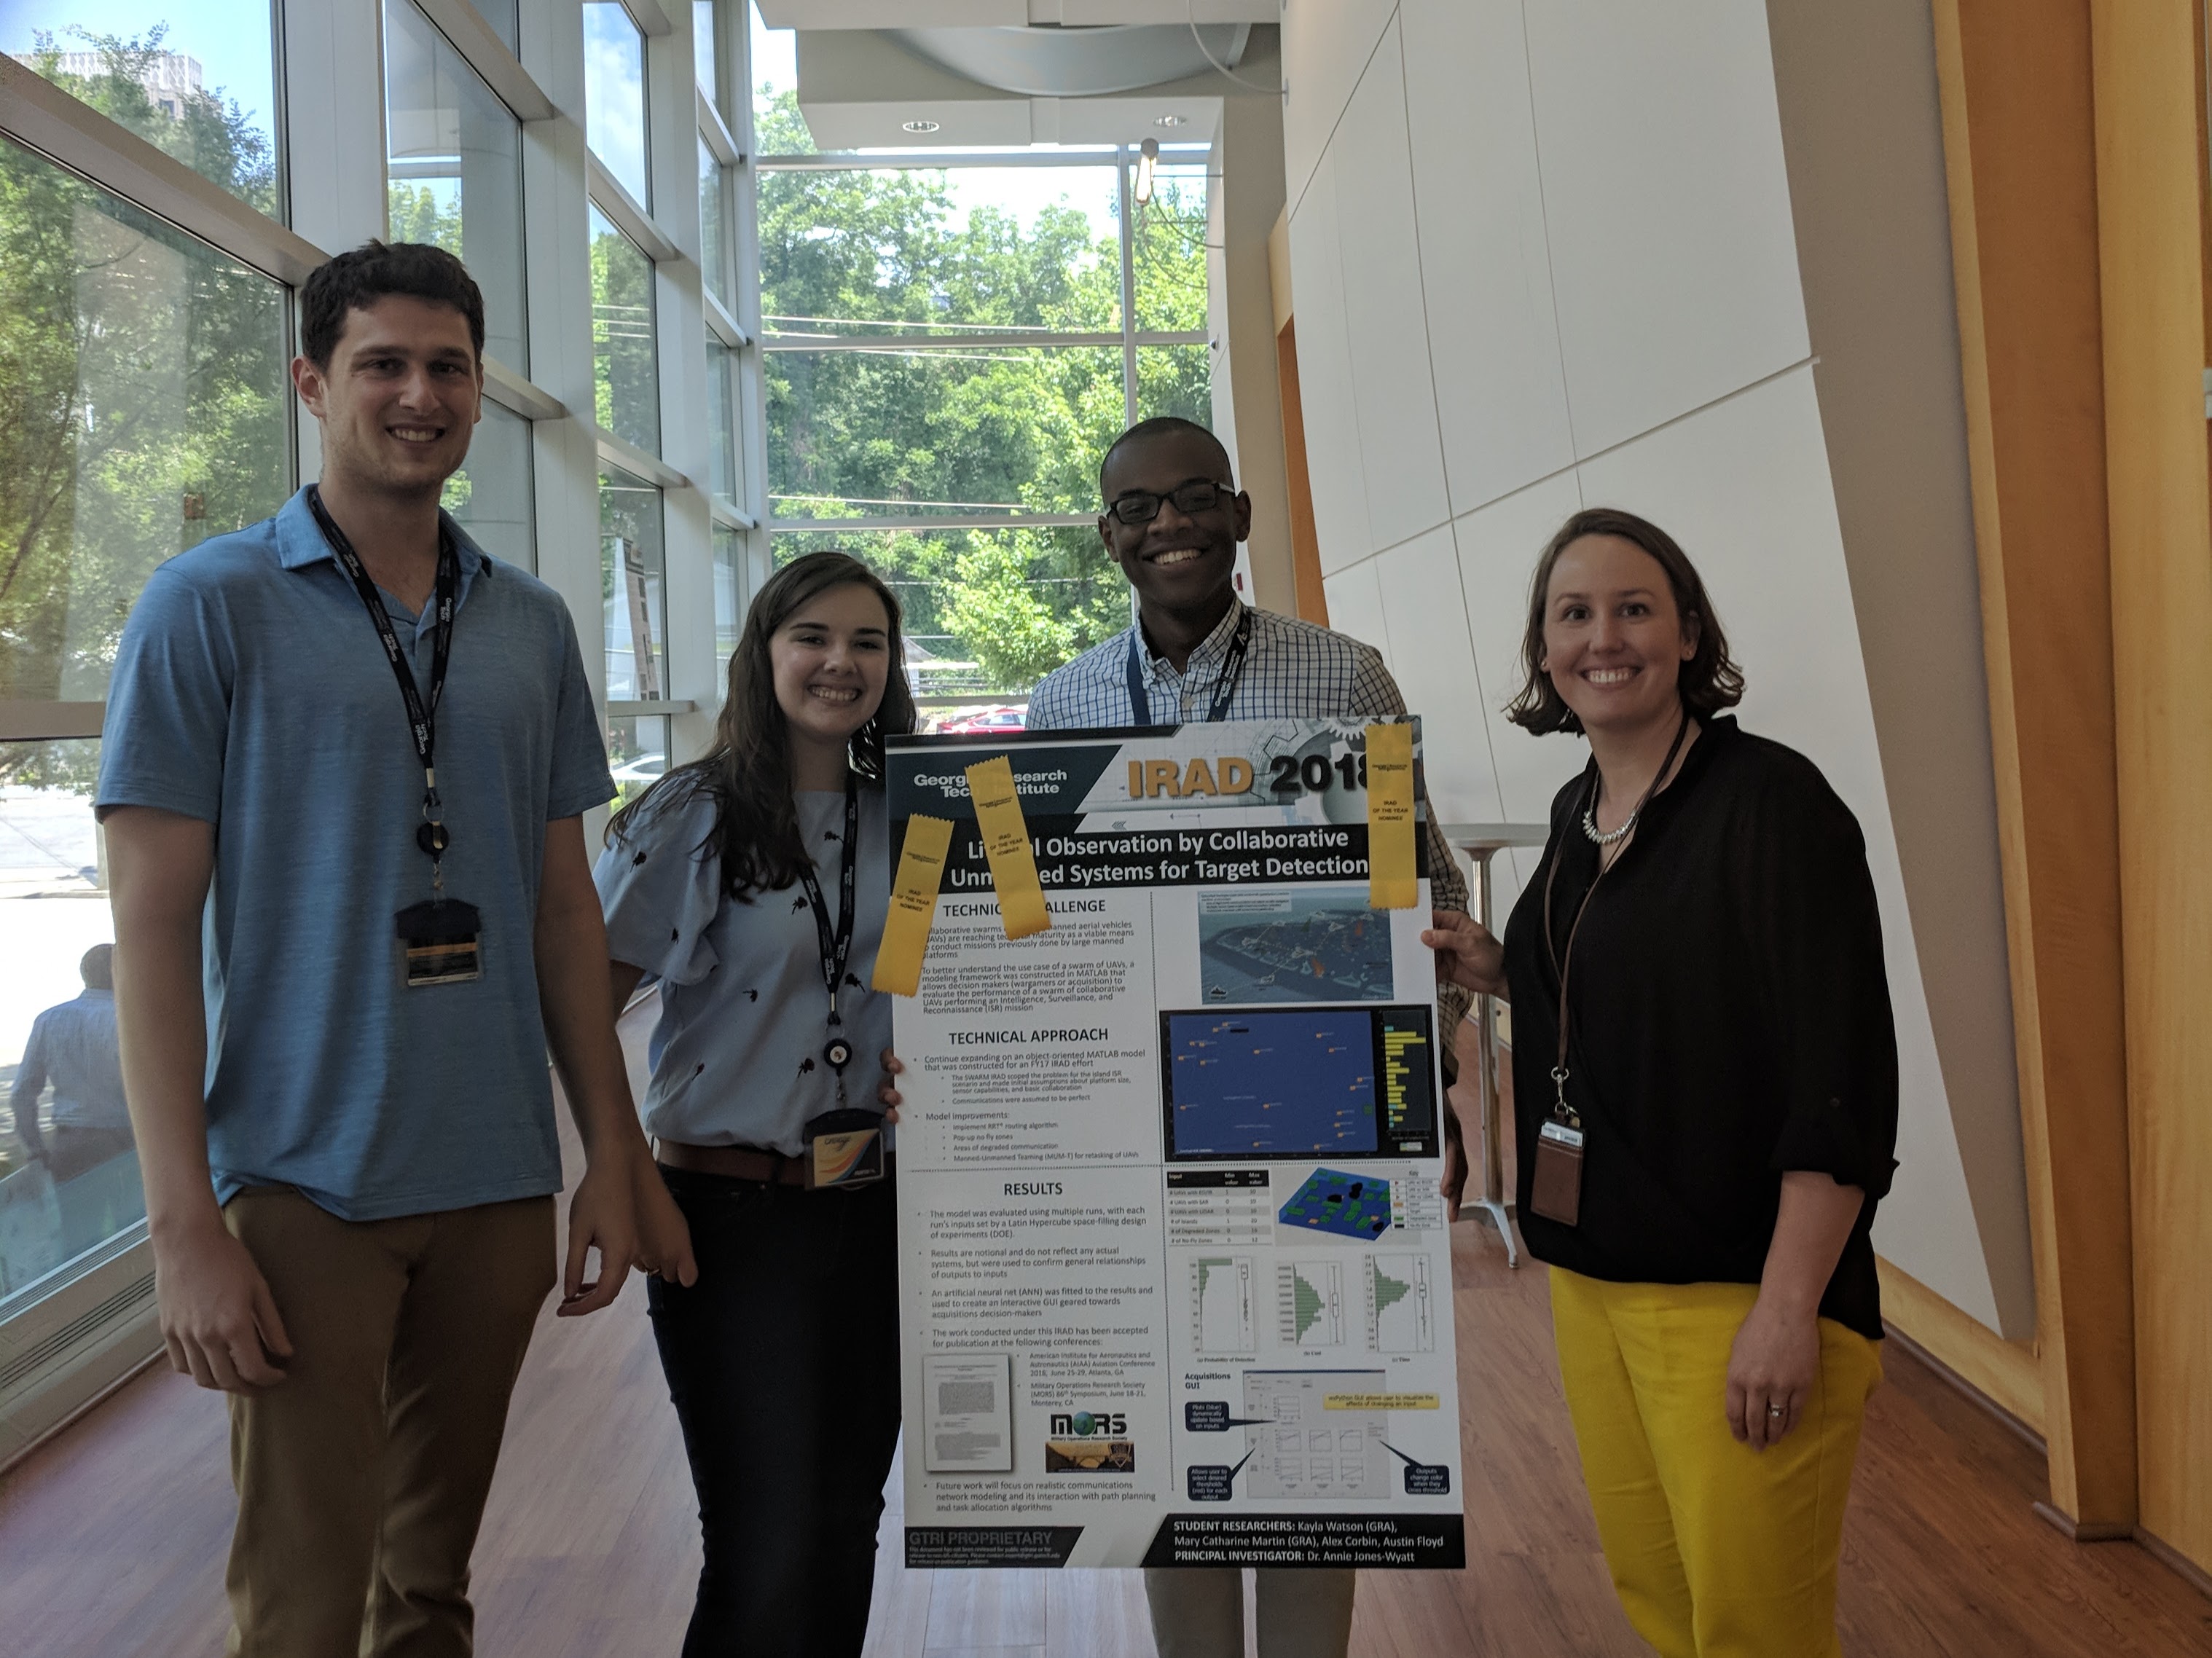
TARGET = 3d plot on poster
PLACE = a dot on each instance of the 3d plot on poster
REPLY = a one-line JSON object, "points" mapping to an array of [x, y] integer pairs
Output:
{"points": [[1174, 1274]]}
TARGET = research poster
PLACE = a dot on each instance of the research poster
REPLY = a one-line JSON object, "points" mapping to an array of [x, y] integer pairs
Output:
{"points": [[1174, 1274]]}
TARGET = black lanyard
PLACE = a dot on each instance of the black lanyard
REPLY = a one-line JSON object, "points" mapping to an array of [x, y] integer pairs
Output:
{"points": [[421, 716], [1562, 963], [1224, 686], [837, 944]]}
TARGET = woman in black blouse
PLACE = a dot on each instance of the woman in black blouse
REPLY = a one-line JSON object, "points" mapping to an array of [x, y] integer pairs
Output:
{"points": [[1703, 1134]]}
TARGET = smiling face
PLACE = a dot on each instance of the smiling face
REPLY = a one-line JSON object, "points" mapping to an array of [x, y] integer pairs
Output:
{"points": [[1614, 642], [399, 397], [831, 660], [1176, 563]]}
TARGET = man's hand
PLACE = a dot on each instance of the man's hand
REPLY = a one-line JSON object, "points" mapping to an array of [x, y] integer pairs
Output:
{"points": [[664, 1237], [1453, 1184], [218, 1319], [1466, 953], [602, 1216], [887, 1093]]}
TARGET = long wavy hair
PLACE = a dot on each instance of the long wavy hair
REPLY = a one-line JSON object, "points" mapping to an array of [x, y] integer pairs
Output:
{"points": [[747, 772]]}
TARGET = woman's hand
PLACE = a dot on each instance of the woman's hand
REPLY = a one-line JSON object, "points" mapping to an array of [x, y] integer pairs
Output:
{"points": [[664, 1237], [1466, 953], [1772, 1371], [887, 1093]]}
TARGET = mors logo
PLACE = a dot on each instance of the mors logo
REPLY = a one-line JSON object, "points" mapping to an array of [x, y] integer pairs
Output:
{"points": [[1153, 779], [1084, 1425]]}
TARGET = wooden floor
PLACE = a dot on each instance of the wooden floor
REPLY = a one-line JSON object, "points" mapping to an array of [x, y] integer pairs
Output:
{"points": [[112, 1535]]}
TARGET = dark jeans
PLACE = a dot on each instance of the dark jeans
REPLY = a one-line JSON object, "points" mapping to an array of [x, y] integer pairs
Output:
{"points": [[782, 1361]]}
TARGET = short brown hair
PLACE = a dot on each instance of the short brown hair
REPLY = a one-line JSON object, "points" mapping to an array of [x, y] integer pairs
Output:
{"points": [[357, 279], [1710, 681]]}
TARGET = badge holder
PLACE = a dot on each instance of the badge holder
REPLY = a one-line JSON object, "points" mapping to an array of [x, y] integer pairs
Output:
{"points": [[844, 1147], [441, 938], [1555, 1188]]}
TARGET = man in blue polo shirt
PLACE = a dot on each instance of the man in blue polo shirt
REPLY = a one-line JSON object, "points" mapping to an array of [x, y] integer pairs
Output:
{"points": [[343, 776]]}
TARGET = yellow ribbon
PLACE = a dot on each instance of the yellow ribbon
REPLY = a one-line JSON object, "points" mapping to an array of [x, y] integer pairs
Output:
{"points": [[913, 906], [1007, 845], [1392, 882]]}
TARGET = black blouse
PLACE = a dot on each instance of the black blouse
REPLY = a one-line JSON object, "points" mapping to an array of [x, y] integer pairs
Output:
{"points": [[1730, 1023]]}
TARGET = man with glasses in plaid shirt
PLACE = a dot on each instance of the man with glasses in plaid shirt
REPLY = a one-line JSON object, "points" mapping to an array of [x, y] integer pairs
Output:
{"points": [[1172, 521]]}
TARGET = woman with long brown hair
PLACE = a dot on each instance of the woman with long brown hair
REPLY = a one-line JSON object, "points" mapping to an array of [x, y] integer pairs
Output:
{"points": [[1705, 1075], [753, 883]]}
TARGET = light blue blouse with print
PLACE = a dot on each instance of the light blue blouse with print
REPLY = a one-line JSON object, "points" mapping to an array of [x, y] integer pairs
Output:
{"points": [[737, 1055]]}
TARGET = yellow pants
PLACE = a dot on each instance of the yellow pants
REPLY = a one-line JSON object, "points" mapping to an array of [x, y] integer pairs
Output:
{"points": [[1717, 1551]]}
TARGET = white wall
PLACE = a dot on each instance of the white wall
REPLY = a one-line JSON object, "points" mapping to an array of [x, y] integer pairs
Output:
{"points": [[1543, 257]]}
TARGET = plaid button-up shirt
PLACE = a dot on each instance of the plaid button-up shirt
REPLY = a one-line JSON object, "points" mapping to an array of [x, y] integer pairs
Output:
{"points": [[1294, 671]]}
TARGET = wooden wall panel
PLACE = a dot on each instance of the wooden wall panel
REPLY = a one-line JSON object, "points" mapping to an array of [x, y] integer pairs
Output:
{"points": [[2020, 150], [2151, 195]]}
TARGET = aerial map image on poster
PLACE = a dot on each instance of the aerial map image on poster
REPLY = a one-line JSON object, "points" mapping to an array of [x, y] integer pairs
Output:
{"points": [[1291, 947]]}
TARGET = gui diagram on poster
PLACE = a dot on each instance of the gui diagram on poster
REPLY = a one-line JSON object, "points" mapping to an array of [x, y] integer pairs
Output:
{"points": [[1175, 1282]]}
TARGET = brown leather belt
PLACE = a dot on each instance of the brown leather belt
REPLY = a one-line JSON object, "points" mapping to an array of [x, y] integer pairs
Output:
{"points": [[733, 1162]]}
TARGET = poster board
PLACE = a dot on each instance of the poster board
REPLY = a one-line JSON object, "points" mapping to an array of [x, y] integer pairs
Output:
{"points": [[1174, 1275]]}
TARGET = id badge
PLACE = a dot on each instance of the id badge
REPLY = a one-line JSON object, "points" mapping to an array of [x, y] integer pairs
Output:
{"points": [[1556, 1189], [844, 1148], [438, 943]]}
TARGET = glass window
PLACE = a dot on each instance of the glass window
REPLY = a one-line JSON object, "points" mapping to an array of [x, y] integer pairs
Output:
{"points": [[729, 586], [1175, 380], [727, 477], [492, 495], [146, 375], [713, 226], [69, 1175], [778, 127], [614, 94], [1019, 250], [195, 78], [455, 170], [637, 753], [987, 612], [1168, 249], [939, 431], [626, 378], [702, 50], [632, 560]]}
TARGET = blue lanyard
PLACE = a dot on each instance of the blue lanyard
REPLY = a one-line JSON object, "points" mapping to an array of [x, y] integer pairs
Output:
{"points": [[1225, 686]]}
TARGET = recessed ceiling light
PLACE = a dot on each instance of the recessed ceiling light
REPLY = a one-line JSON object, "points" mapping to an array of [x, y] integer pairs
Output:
{"points": [[1168, 121], [917, 126]]}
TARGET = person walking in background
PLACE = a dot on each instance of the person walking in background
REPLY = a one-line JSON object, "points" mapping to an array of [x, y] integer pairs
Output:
{"points": [[754, 882], [357, 751], [1705, 1096], [73, 1047]]}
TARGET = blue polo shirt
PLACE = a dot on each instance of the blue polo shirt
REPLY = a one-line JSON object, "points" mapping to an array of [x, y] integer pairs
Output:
{"points": [[250, 692]]}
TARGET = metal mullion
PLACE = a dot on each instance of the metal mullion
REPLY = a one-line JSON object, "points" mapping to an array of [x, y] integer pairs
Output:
{"points": [[487, 54], [728, 516], [618, 204], [1007, 340], [925, 521], [648, 17], [1128, 295], [28, 720], [516, 392], [847, 160], [716, 131], [81, 140], [722, 322], [621, 452]]}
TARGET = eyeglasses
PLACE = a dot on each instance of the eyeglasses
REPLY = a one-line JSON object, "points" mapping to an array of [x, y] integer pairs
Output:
{"points": [[1192, 497]]}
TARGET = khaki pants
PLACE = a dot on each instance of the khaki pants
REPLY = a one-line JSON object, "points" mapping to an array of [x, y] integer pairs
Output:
{"points": [[361, 1479], [1197, 1612]]}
